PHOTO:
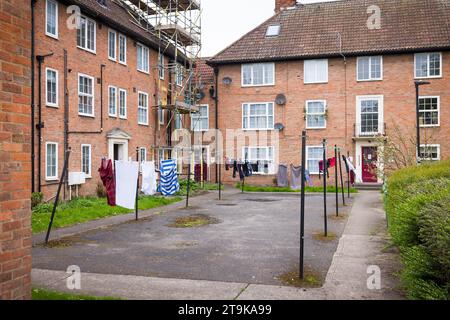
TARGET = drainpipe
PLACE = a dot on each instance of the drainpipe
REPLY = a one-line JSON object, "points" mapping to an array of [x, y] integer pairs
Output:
{"points": [[33, 156], [40, 125]]}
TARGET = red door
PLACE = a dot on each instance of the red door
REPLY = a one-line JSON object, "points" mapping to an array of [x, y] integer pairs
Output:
{"points": [[369, 164]]}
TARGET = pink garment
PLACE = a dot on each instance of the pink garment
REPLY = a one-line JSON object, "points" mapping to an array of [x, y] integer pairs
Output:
{"points": [[108, 179]]}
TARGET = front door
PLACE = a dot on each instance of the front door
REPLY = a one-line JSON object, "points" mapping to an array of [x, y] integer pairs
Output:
{"points": [[369, 164]]}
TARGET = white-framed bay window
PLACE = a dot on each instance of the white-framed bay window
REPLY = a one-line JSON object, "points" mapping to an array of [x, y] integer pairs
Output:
{"points": [[258, 74], [122, 103], [86, 34], [369, 68], [51, 161], [429, 107], [315, 71], [122, 49], [316, 114], [200, 120], [428, 65], [143, 57], [314, 154], [142, 108], [112, 101], [86, 160], [85, 95], [430, 152], [51, 18], [258, 116], [261, 157], [51, 87], [112, 45]]}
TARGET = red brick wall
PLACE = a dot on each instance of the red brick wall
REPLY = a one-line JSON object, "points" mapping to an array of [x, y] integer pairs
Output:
{"points": [[397, 87], [15, 164]]}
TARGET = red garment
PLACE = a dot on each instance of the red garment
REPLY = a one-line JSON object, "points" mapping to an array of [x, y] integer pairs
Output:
{"points": [[331, 162], [352, 177], [320, 165], [109, 181]]}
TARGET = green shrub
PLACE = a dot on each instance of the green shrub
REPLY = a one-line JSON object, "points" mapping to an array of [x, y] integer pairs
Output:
{"points": [[36, 198]]}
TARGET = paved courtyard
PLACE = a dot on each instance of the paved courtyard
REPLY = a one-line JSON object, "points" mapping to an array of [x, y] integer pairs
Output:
{"points": [[255, 240]]}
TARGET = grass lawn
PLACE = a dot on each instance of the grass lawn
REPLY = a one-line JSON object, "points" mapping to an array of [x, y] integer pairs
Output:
{"points": [[195, 187], [42, 294], [250, 188], [86, 209]]}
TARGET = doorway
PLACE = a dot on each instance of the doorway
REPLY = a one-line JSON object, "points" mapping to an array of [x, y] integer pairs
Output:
{"points": [[118, 152], [369, 164]]}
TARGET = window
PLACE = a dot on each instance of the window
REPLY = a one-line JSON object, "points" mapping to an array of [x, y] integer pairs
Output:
{"points": [[112, 38], [200, 121], [122, 104], [315, 114], [112, 98], [51, 19], [143, 108], [160, 115], [51, 161], [85, 95], [428, 65], [314, 154], [258, 74], [180, 76], [142, 58], [161, 66], [273, 31], [178, 121], [142, 154], [86, 34], [431, 152], [429, 111], [257, 116], [369, 115], [86, 160], [52, 88], [316, 71], [122, 49], [262, 158], [370, 68]]}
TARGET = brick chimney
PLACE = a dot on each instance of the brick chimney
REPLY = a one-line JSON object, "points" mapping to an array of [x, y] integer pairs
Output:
{"points": [[283, 4]]}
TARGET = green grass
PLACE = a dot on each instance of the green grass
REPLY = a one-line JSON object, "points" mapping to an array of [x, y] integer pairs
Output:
{"points": [[196, 187], [42, 294], [250, 188], [86, 209]]}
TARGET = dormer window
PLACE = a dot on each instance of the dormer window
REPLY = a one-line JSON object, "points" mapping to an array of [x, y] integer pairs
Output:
{"points": [[273, 31]]}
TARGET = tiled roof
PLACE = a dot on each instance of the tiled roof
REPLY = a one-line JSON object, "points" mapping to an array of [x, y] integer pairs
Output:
{"points": [[204, 72], [315, 30], [117, 16]]}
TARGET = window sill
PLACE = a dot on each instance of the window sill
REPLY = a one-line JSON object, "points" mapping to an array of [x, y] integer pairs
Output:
{"points": [[143, 71], [94, 52], [86, 115], [111, 59], [263, 129], [52, 106], [257, 85], [369, 80], [112, 116], [316, 128], [323, 82], [430, 126], [55, 37], [122, 118], [143, 124], [430, 77], [123, 63], [51, 179]]}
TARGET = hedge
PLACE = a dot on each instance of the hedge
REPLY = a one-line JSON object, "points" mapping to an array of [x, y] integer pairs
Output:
{"points": [[417, 202]]}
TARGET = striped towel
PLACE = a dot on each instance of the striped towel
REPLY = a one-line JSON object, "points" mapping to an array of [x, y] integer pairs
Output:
{"points": [[168, 184]]}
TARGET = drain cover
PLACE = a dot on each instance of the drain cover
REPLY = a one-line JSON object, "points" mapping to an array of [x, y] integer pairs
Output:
{"points": [[262, 200], [227, 204]]}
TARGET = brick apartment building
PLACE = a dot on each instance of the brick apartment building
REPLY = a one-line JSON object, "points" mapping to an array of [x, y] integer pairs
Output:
{"points": [[15, 149], [115, 79], [347, 71]]}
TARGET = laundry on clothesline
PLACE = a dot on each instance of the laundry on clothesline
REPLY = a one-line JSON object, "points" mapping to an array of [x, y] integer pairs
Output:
{"points": [[352, 170], [108, 180], [282, 176], [244, 169], [149, 185], [296, 173], [126, 183], [169, 184]]}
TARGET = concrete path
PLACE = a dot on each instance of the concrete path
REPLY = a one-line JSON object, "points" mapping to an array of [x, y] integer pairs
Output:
{"points": [[363, 244]]}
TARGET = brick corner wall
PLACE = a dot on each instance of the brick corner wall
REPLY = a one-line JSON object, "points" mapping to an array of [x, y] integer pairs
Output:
{"points": [[15, 156]]}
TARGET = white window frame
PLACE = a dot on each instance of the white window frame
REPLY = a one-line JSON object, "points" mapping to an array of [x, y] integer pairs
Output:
{"points": [[179, 76], [161, 71], [118, 104], [438, 111], [112, 32], [161, 115], [266, 115], [194, 118], [307, 157], [272, 64], [144, 49], [94, 51], [114, 115], [142, 159], [141, 107], [51, 35], [55, 177], [370, 68], [380, 99], [87, 175], [316, 114], [428, 65], [316, 61], [92, 115], [438, 146], [124, 61], [271, 170], [51, 104]]}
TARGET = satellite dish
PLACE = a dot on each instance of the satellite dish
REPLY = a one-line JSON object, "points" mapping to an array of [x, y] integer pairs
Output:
{"points": [[227, 80], [278, 126], [280, 99]]}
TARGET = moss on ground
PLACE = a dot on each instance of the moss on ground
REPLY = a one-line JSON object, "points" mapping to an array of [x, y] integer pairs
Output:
{"points": [[193, 221], [311, 279]]}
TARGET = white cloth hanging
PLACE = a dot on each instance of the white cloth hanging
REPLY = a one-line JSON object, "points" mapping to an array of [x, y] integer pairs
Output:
{"points": [[149, 185], [126, 183], [351, 167]]}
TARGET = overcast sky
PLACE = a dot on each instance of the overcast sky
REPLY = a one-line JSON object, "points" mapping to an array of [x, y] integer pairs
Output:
{"points": [[224, 22]]}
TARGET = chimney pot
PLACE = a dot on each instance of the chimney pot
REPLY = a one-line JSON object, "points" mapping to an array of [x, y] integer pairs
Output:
{"points": [[283, 4]]}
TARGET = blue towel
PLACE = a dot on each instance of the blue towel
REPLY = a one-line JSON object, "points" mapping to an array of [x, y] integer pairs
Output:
{"points": [[168, 184]]}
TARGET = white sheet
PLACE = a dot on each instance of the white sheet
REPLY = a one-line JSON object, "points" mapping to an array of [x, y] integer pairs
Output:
{"points": [[149, 185], [126, 183]]}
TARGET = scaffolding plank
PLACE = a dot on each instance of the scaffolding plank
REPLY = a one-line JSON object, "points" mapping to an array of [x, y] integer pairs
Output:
{"points": [[184, 36], [181, 107], [183, 5], [142, 4]]}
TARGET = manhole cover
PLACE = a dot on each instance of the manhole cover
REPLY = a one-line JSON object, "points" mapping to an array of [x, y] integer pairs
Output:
{"points": [[262, 200], [227, 204]]}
